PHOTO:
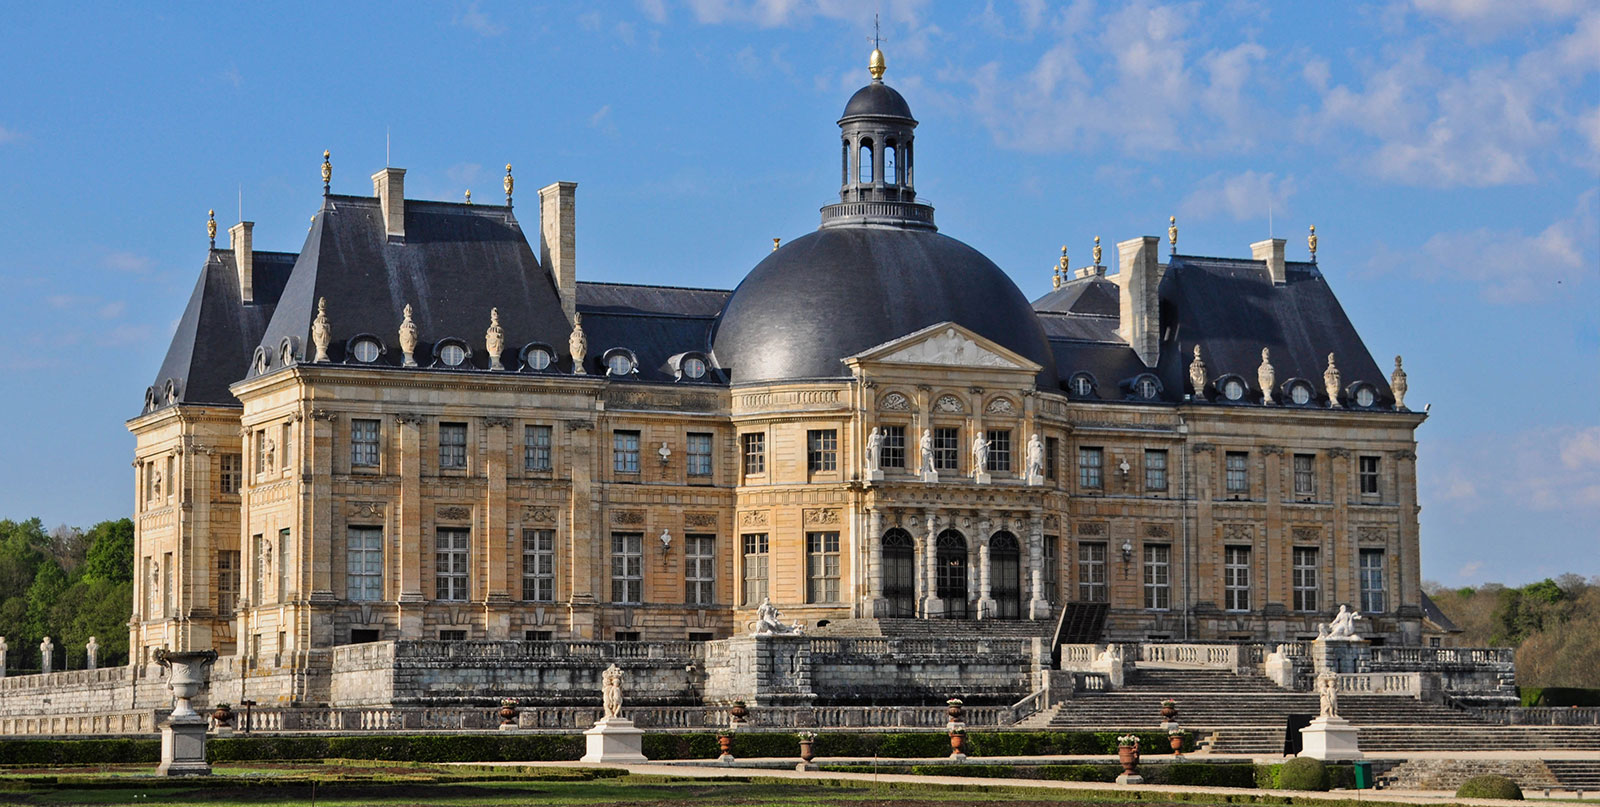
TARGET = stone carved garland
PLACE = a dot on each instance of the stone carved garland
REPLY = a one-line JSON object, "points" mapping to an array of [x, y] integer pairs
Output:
{"points": [[1000, 406], [825, 517], [1050, 522], [700, 519], [364, 510], [628, 517], [1372, 535], [1311, 534], [757, 518], [1092, 528], [1158, 531], [453, 513], [894, 402], [948, 403], [539, 514], [1238, 532]]}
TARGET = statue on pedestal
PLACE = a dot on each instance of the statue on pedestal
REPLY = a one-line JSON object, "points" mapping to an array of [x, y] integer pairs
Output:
{"points": [[611, 691], [874, 442], [1035, 457], [925, 449], [1328, 695], [91, 653], [47, 654], [768, 622], [980, 455], [4, 649], [1343, 626]]}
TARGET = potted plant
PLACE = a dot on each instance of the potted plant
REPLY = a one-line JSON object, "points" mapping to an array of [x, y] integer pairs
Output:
{"points": [[725, 742], [954, 710], [1128, 753], [223, 715], [958, 742], [1175, 737], [508, 712], [1169, 710], [738, 711], [808, 743]]}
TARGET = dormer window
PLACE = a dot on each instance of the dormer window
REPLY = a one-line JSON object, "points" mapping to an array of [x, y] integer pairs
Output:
{"points": [[620, 362], [172, 391], [694, 367], [1145, 387], [365, 349], [263, 360], [1233, 389], [452, 353], [1365, 396], [286, 349], [1081, 385], [1300, 393], [537, 357]]}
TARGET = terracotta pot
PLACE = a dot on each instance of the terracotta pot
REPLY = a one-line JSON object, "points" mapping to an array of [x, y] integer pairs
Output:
{"points": [[1128, 755], [508, 715], [739, 712], [955, 712], [223, 716], [1177, 742], [725, 744], [1169, 712], [807, 751], [958, 743]]}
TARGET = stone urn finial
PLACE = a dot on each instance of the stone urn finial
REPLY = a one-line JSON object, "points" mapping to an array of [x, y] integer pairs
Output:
{"points": [[579, 345], [1330, 382], [408, 338], [495, 340], [1266, 377], [1197, 374], [320, 333], [1397, 384]]}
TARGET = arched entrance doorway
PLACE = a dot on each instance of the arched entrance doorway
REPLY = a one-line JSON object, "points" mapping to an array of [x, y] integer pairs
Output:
{"points": [[900, 573], [950, 557], [1005, 575]]}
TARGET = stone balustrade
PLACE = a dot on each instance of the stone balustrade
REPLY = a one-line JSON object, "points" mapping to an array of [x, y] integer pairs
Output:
{"points": [[1387, 683], [878, 647], [1192, 656], [1540, 715], [1430, 658], [588, 650]]}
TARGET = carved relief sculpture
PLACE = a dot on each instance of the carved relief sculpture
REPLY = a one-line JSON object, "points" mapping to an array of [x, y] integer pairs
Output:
{"points": [[320, 333], [1397, 384], [894, 402], [948, 403], [611, 691], [1267, 377], [1330, 382], [408, 338], [1197, 374], [578, 344], [495, 340]]}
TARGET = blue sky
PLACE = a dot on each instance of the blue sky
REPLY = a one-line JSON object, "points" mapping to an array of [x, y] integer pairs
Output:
{"points": [[1447, 150]]}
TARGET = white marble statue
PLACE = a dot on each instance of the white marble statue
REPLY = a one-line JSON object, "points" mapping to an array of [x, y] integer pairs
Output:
{"points": [[666, 539], [980, 454], [91, 653], [1328, 694], [925, 447], [769, 620], [874, 442], [4, 649], [47, 652], [1343, 625], [578, 344], [1035, 457], [611, 691]]}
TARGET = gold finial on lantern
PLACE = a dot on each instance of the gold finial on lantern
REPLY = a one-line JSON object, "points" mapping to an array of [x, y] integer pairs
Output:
{"points": [[327, 171], [774, 245], [509, 182], [1311, 241], [211, 227], [1172, 233], [469, 196], [876, 65], [1097, 251]]}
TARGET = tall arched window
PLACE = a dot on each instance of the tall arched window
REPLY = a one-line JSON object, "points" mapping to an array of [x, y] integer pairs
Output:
{"points": [[844, 163], [865, 174], [1005, 575], [950, 583], [891, 165], [900, 573]]}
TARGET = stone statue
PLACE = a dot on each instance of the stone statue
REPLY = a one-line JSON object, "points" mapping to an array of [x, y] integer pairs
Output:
{"points": [[1267, 377], [495, 340], [4, 650], [270, 448], [1328, 694], [91, 653], [1197, 374], [1330, 382], [47, 653], [1111, 655], [1397, 384], [925, 448], [578, 345], [1035, 457], [408, 338], [874, 442], [980, 454], [769, 620], [1343, 625], [611, 691], [155, 481], [321, 334]]}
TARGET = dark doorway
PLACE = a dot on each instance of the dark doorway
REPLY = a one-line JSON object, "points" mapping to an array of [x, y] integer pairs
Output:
{"points": [[1005, 575], [950, 556], [900, 573]]}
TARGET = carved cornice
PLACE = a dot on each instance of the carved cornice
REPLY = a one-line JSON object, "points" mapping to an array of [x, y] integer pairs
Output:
{"points": [[1405, 454], [493, 422], [1202, 448], [1341, 453], [324, 414], [404, 418], [869, 384]]}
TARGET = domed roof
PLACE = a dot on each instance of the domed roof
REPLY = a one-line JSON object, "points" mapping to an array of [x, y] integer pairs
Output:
{"points": [[841, 290], [877, 99]]}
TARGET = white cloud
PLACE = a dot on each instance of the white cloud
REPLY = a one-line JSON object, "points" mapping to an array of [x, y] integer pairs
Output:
{"points": [[464, 173], [1498, 17], [778, 13], [473, 19], [1512, 266], [1470, 570], [1582, 450], [600, 116], [655, 10], [1544, 469], [1250, 196], [123, 261]]}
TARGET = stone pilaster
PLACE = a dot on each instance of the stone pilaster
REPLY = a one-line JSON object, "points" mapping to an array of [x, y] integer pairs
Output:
{"points": [[496, 539], [874, 539], [584, 535], [986, 603], [1343, 588], [408, 540], [316, 452], [1038, 606], [928, 569]]}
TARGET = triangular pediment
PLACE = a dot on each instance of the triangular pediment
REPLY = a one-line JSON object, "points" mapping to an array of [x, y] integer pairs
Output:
{"points": [[946, 345]]}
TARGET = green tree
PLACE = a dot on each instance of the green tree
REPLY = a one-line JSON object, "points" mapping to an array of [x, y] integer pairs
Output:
{"points": [[110, 555]]}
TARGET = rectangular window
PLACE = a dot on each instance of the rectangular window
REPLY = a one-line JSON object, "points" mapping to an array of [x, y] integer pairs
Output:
{"points": [[261, 451], [169, 607], [227, 581], [536, 448], [363, 563], [539, 565], [283, 565], [538, 635], [1157, 577], [822, 450], [626, 636], [148, 579], [363, 443], [1368, 472], [149, 481], [700, 569], [1304, 578], [1052, 456], [627, 567], [452, 636], [453, 446], [450, 563], [755, 452], [999, 451], [1092, 571], [1236, 578], [947, 449], [755, 568], [230, 468], [1155, 470], [1305, 475], [1052, 569], [1091, 462], [1238, 467], [171, 479], [892, 451], [263, 568], [822, 567], [701, 636], [625, 452], [286, 447], [1372, 599], [699, 454]]}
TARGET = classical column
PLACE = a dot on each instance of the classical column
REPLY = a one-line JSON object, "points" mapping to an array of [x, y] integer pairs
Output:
{"points": [[408, 527], [1408, 577], [1343, 587], [986, 603], [928, 576], [874, 540], [583, 540], [497, 593], [1038, 606]]}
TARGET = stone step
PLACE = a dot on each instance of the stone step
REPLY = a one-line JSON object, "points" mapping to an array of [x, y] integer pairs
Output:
{"points": [[1574, 774], [1448, 774]]}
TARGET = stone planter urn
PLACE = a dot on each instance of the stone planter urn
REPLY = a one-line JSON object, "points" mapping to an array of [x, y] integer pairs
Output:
{"points": [[808, 750], [183, 733], [508, 714], [222, 715], [1169, 711], [958, 744], [955, 710], [738, 711], [725, 745], [1177, 743], [1128, 755]]}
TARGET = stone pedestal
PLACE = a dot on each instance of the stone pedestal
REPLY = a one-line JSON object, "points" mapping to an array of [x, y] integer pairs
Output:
{"points": [[183, 746], [614, 739], [874, 475], [1129, 779], [1330, 739], [981, 478], [930, 476], [1339, 655], [807, 766], [1035, 480]]}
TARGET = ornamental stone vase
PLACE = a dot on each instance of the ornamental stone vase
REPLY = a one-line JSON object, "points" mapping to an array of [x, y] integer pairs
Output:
{"points": [[183, 733], [725, 744], [739, 712], [1169, 713], [508, 716], [956, 712], [807, 750], [1128, 755], [222, 715], [1177, 742]]}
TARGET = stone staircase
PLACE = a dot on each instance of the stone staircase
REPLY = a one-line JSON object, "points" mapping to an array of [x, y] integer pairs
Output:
{"points": [[936, 628], [1448, 774], [1380, 739], [1576, 774]]}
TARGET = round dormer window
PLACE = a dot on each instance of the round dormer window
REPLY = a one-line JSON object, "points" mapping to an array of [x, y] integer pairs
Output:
{"points": [[1146, 388], [1233, 389], [538, 359], [1365, 397], [694, 367], [1081, 385], [365, 350], [452, 354], [1300, 394], [619, 363]]}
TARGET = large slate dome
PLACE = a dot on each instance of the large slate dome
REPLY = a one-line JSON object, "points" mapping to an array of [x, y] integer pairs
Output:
{"points": [[841, 290]]}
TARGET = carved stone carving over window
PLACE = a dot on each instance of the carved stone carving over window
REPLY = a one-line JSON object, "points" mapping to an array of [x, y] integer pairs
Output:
{"points": [[1158, 531], [757, 518], [538, 513], [948, 403], [1051, 522], [825, 516], [700, 519], [364, 510], [894, 402], [1307, 533], [1001, 406], [1372, 535], [504, 423], [1092, 528], [1339, 452], [1237, 532], [1202, 448], [628, 517], [1272, 449], [454, 513]]}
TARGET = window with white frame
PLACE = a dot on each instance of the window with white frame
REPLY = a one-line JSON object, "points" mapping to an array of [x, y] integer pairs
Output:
{"points": [[1091, 467], [892, 447], [450, 547], [1157, 576], [1236, 578], [1303, 578], [536, 448], [1372, 593], [1305, 475], [755, 568], [363, 563], [947, 448], [1092, 571], [822, 567], [453, 446], [1238, 472], [627, 567], [1052, 568], [1367, 472], [822, 450], [539, 565], [999, 450], [755, 452], [700, 569], [230, 468], [1155, 469], [699, 454], [363, 443], [625, 452], [227, 581]]}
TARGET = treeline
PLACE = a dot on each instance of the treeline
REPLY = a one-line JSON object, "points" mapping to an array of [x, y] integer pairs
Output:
{"points": [[67, 584], [1553, 624]]}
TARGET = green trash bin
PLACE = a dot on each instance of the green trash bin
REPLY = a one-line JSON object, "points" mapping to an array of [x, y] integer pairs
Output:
{"points": [[1363, 775]]}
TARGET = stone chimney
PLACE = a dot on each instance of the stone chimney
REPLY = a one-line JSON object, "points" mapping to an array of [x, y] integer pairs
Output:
{"points": [[558, 241], [389, 185], [244, 258], [1271, 251], [1138, 281]]}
